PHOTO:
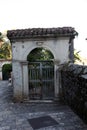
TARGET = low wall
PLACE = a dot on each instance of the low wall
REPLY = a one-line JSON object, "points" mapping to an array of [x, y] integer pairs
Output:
{"points": [[74, 88]]}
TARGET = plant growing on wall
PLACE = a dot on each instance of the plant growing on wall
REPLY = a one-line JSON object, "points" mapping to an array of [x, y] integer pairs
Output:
{"points": [[77, 56]]}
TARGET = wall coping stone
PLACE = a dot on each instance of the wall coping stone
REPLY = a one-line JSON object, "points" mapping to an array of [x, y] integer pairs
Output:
{"points": [[78, 70]]}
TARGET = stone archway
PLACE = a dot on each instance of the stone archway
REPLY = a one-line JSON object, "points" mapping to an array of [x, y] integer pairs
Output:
{"points": [[25, 69], [24, 64]]}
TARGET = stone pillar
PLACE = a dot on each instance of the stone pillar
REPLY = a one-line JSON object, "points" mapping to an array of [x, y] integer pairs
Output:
{"points": [[56, 79], [17, 81], [25, 81]]}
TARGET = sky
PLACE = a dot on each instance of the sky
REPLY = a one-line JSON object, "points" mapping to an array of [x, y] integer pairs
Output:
{"points": [[21, 14]]}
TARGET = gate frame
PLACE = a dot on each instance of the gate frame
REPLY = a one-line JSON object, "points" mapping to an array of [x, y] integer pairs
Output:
{"points": [[25, 78], [24, 64]]}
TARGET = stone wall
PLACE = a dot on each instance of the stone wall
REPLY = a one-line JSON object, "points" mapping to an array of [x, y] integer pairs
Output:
{"points": [[74, 88]]}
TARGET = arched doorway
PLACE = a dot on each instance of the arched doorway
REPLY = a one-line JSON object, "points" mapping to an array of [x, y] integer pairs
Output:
{"points": [[41, 74], [6, 71]]}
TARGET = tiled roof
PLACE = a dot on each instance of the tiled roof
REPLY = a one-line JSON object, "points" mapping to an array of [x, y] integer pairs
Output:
{"points": [[40, 33]]}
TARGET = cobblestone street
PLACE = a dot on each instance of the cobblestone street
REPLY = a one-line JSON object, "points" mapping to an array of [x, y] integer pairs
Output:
{"points": [[14, 116]]}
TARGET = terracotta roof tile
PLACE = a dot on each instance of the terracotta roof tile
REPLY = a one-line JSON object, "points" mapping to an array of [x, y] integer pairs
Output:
{"points": [[40, 32]]}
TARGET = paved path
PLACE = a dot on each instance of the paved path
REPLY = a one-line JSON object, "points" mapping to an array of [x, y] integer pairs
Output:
{"points": [[14, 116]]}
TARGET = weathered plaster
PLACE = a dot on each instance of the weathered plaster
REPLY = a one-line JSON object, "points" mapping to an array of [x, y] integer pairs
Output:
{"points": [[58, 47]]}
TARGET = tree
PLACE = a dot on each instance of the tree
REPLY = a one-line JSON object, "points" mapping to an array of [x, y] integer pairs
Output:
{"points": [[40, 54], [5, 49]]}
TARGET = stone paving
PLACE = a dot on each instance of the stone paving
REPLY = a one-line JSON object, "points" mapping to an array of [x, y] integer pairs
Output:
{"points": [[14, 116]]}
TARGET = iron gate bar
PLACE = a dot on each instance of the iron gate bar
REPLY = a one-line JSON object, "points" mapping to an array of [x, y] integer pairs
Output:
{"points": [[41, 80]]}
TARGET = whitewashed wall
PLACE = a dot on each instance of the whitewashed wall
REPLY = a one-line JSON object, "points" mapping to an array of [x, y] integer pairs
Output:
{"points": [[59, 48]]}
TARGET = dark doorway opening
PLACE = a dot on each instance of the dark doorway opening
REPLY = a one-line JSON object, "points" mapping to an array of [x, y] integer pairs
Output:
{"points": [[6, 71]]}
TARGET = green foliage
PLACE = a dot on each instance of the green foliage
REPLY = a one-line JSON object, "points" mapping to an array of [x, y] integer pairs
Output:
{"points": [[5, 49], [40, 54], [6, 70], [77, 56]]}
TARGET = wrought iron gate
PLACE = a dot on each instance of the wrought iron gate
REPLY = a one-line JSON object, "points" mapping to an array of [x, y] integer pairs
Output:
{"points": [[41, 80]]}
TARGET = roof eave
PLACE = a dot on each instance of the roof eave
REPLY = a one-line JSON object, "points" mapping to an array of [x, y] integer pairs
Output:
{"points": [[41, 36]]}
